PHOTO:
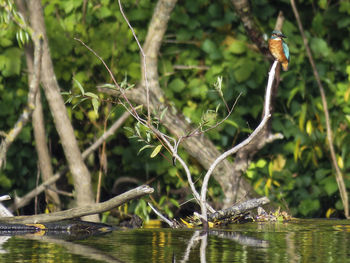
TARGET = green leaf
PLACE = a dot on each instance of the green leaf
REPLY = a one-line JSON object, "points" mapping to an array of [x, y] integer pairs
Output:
{"points": [[261, 163], [174, 202], [95, 104], [145, 147], [177, 85], [231, 122], [156, 151], [307, 206], [129, 129], [79, 86], [245, 70], [210, 47], [320, 47], [10, 62], [91, 95], [330, 185], [237, 47]]}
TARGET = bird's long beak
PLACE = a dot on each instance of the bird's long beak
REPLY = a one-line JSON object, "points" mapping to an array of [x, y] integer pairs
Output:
{"points": [[281, 35]]}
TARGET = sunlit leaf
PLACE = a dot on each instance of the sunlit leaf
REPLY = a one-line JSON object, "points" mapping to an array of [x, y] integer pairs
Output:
{"points": [[279, 163], [145, 147], [302, 116], [340, 162], [329, 212], [92, 95], [261, 163], [309, 127], [296, 150], [156, 151]]}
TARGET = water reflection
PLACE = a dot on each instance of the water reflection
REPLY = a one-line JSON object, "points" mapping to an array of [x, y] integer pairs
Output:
{"points": [[302, 241]]}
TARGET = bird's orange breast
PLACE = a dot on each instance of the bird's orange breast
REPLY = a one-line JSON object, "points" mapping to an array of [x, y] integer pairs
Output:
{"points": [[276, 50]]}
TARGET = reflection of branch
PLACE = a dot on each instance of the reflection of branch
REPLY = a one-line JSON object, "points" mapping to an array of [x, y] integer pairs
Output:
{"points": [[339, 176], [27, 112], [78, 249], [203, 249], [193, 241], [240, 239], [82, 211]]}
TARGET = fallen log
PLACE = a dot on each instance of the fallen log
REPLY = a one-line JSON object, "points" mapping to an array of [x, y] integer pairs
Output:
{"points": [[80, 211], [234, 214], [238, 209]]}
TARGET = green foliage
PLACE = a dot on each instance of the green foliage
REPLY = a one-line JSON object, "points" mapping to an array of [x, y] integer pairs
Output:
{"points": [[295, 171]]}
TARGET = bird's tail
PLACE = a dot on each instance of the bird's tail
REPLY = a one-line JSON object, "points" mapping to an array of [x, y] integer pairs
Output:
{"points": [[285, 66]]}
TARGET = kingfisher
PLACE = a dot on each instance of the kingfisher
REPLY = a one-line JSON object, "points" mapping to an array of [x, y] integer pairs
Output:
{"points": [[279, 48]]}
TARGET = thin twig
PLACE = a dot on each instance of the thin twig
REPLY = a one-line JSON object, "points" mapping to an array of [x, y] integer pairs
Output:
{"points": [[338, 175], [166, 220], [143, 59], [185, 67], [134, 113]]}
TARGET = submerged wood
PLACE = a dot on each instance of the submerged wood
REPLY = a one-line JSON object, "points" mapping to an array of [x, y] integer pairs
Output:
{"points": [[238, 209], [81, 211]]}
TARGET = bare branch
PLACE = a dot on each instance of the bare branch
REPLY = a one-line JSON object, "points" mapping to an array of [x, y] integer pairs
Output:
{"points": [[166, 220], [82, 211], [239, 146], [115, 126]]}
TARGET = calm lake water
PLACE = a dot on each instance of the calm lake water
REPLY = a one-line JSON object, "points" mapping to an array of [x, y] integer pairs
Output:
{"points": [[300, 241]]}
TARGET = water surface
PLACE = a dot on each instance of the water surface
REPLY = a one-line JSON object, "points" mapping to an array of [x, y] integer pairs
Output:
{"points": [[300, 241]]}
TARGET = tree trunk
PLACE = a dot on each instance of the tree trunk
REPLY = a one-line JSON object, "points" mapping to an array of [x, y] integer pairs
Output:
{"points": [[80, 173], [52, 198]]}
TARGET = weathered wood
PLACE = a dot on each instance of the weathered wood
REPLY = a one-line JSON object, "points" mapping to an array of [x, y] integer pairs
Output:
{"points": [[81, 211], [238, 209]]}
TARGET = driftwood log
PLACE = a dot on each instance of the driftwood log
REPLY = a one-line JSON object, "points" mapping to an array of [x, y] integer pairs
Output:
{"points": [[238, 209], [80, 211]]}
